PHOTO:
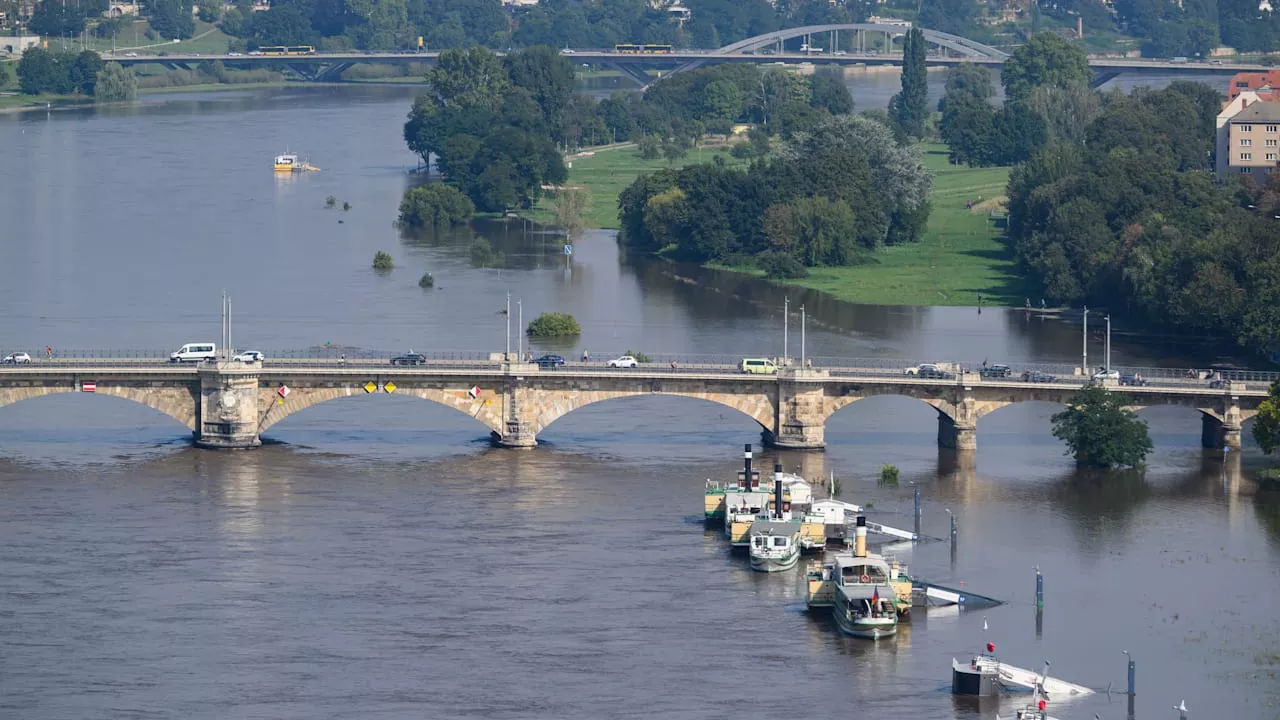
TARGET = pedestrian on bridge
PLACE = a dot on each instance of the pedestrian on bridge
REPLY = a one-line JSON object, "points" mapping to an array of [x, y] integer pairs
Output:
{"points": [[586, 356], [48, 352]]}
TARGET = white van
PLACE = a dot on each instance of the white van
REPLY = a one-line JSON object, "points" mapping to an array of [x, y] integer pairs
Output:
{"points": [[194, 352], [758, 366]]}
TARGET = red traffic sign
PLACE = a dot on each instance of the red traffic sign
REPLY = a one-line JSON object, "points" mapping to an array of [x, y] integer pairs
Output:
{"points": [[88, 386], [283, 391], [474, 392]]}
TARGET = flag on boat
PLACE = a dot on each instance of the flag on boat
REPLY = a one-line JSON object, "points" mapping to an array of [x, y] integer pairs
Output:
{"points": [[875, 596]]}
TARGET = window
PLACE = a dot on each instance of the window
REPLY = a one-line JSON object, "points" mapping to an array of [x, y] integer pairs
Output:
{"points": [[1242, 84], [1244, 170], [1246, 142], [1271, 143], [1245, 128], [1271, 156], [1272, 128], [1246, 156]]}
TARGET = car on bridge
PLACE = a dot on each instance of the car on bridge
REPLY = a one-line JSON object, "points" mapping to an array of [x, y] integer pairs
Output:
{"points": [[998, 370], [20, 358], [250, 356], [1133, 380], [930, 370], [626, 361], [1104, 374], [549, 362], [1035, 376], [409, 358]]}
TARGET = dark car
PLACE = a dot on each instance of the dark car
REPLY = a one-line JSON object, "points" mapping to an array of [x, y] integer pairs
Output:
{"points": [[995, 371], [409, 358], [934, 372], [1218, 383], [549, 361], [1133, 380], [1037, 376]]}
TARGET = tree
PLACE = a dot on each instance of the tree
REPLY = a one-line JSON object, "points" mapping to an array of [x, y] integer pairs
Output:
{"points": [[172, 18], [42, 71], [1067, 112], [1266, 424], [281, 25], [547, 76], [382, 261], [209, 10], [910, 107], [83, 72], [1046, 59], [571, 204], [554, 325], [1100, 431], [115, 83], [952, 16], [435, 205], [831, 94]]}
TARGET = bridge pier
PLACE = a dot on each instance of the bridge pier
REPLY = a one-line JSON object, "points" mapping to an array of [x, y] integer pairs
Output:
{"points": [[956, 436], [228, 416], [801, 422], [1216, 434], [519, 429]]}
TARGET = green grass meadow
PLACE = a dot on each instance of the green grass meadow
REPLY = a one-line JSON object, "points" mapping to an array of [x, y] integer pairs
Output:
{"points": [[960, 257]]}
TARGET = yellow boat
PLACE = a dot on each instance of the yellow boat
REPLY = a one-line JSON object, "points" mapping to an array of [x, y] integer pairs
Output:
{"points": [[289, 163]]}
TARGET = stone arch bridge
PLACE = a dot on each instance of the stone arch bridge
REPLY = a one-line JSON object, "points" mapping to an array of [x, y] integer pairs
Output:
{"points": [[229, 405]]}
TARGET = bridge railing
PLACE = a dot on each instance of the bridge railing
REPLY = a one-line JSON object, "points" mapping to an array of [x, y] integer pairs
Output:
{"points": [[326, 356]]}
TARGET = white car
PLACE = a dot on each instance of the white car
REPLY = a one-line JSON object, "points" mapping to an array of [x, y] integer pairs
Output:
{"points": [[17, 359], [567, 51], [1107, 375], [250, 356], [626, 361], [131, 54]]}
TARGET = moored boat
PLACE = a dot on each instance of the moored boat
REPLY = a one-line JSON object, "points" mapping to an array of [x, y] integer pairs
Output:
{"points": [[289, 163], [775, 545], [822, 580], [981, 676], [864, 604]]}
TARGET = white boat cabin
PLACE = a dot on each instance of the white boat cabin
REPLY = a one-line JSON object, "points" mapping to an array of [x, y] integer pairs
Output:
{"points": [[834, 512], [854, 570]]}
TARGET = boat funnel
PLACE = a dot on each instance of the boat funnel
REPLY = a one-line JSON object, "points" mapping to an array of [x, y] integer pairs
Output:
{"points": [[777, 491], [746, 470], [860, 539]]}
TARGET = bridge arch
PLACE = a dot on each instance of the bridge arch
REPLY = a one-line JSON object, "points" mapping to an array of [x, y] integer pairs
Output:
{"points": [[556, 404], [486, 407], [962, 46], [178, 403], [939, 403]]}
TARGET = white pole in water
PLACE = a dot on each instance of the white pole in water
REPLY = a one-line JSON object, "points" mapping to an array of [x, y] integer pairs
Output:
{"points": [[1108, 350], [520, 324], [1084, 362], [786, 312], [802, 328]]}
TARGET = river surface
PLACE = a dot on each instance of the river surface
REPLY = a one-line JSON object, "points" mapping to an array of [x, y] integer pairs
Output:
{"points": [[378, 558]]}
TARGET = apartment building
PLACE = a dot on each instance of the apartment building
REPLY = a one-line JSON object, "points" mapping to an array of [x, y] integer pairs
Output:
{"points": [[1253, 141]]}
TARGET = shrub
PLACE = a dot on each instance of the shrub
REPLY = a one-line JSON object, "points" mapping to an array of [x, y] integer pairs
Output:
{"points": [[1269, 480], [888, 475], [426, 281], [780, 265], [554, 325], [483, 254], [382, 261], [330, 201], [435, 205], [639, 356]]}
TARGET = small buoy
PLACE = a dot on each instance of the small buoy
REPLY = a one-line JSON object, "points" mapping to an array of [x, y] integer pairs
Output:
{"points": [[339, 222]]}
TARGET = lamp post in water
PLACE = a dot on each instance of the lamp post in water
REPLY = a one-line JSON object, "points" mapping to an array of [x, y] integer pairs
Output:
{"points": [[786, 317], [1084, 362], [1108, 345]]}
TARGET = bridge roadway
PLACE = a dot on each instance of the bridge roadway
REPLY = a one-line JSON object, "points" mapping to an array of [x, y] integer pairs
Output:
{"points": [[329, 65], [230, 404]]}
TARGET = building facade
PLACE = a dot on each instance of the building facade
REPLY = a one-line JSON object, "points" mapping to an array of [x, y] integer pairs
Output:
{"points": [[1253, 141]]}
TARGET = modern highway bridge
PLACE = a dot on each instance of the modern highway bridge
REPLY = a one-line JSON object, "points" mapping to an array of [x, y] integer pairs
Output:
{"points": [[767, 48], [229, 404]]}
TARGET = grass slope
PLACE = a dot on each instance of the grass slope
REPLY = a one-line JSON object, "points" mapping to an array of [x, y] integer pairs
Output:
{"points": [[609, 171], [959, 257]]}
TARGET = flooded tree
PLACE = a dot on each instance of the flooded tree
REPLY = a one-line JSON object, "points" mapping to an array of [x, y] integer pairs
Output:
{"points": [[1100, 431]]}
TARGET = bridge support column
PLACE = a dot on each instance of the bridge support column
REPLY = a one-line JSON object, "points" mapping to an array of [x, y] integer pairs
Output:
{"points": [[802, 422], [228, 416], [1216, 434], [518, 428], [961, 431]]}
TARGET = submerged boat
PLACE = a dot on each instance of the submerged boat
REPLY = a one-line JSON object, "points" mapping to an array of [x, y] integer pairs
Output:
{"points": [[864, 604], [980, 677]]}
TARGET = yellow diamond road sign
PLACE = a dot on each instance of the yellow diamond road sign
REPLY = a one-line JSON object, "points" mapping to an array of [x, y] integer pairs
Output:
{"points": [[370, 386], [389, 387]]}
